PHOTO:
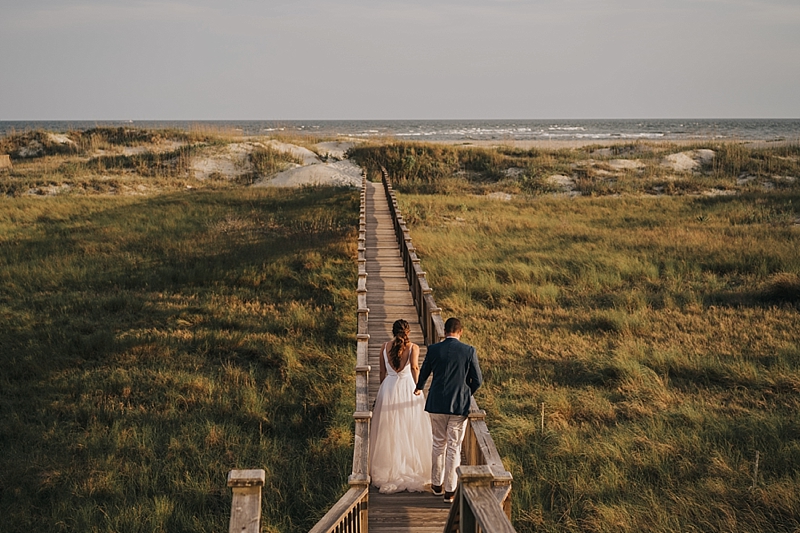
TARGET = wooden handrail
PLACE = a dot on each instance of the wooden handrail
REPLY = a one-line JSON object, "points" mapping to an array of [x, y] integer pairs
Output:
{"points": [[479, 448], [349, 514], [430, 315]]}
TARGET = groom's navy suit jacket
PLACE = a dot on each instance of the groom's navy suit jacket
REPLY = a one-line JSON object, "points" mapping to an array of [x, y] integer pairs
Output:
{"points": [[456, 377]]}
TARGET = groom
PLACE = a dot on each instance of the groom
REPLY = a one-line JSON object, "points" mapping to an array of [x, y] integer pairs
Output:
{"points": [[456, 377]]}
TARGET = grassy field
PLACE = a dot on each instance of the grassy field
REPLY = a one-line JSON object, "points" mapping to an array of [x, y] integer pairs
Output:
{"points": [[157, 331], [633, 168], [657, 335], [639, 332], [152, 343]]}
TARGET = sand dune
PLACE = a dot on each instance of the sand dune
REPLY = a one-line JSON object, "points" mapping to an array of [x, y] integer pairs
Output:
{"points": [[339, 173]]}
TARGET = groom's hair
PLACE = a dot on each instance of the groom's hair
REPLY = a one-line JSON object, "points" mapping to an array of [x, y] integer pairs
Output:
{"points": [[453, 325]]}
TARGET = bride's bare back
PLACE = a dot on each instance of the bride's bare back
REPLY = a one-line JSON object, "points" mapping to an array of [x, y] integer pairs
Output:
{"points": [[411, 354]]}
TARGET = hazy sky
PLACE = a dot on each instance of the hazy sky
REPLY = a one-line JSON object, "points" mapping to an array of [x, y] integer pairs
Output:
{"points": [[393, 59]]}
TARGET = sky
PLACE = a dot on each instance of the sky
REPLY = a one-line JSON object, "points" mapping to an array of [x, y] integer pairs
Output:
{"points": [[398, 59]]}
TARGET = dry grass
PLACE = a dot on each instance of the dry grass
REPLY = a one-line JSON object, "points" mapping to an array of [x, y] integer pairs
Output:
{"points": [[151, 344], [625, 169], [659, 333], [123, 161]]}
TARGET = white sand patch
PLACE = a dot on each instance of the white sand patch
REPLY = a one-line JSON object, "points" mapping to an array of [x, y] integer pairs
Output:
{"points": [[688, 161], [234, 160], [230, 162], [334, 149], [49, 190], [681, 162], [339, 174], [504, 196], [307, 156], [514, 172], [134, 150], [626, 164], [565, 182], [161, 147], [32, 149], [705, 156], [59, 138], [744, 179], [719, 192]]}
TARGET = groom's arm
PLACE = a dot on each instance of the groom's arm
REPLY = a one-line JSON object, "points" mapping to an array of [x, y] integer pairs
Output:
{"points": [[424, 373], [474, 375]]}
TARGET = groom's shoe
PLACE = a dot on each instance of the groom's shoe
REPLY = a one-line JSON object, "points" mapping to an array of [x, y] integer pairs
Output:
{"points": [[448, 497], [437, 490]]}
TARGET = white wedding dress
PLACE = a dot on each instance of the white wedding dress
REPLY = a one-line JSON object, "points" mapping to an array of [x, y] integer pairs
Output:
{"points": [[400, 438]]}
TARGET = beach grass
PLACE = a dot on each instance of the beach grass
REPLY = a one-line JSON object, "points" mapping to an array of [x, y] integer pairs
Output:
{"points": [[150, 344], [592, 170], [639, 342], [129, 161], [640, 354], [268, 161]]}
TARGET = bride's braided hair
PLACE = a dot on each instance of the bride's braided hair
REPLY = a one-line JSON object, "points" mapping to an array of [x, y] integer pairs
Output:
{"points": [[400, 331]]}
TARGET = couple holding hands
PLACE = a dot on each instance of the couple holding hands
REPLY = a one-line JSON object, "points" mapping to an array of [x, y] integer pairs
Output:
{"points": [[410, 449]]}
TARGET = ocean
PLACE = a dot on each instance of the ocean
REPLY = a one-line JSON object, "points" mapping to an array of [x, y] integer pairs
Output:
{"points": [[469, 130]]}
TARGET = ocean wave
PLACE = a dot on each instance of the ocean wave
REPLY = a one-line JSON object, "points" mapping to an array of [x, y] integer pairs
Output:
{"points": [[454, 130]]}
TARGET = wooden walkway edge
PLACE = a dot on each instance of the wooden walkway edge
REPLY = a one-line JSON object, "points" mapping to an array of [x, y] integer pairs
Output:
{"points": [[389, 298]]}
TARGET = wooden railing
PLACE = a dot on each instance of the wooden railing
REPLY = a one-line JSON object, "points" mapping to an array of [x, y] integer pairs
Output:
{"points": [[349, 514], [430, 315], [483, 496], [478, 503]]}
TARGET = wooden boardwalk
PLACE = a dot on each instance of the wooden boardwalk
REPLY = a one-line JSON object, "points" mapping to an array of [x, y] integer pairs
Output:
{"points": [[388, 299]]}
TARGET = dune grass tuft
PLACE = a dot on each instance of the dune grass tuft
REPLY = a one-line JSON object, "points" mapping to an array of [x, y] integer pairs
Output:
{"points": [[623, 169]]}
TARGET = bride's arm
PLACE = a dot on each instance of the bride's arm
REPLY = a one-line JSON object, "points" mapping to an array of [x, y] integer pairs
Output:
{"points": [[414, 362], [383, 364]]}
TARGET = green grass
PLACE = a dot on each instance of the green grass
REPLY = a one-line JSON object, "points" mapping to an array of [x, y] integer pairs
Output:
{"points": [[151, 344], [661, 335], [444, 169]]}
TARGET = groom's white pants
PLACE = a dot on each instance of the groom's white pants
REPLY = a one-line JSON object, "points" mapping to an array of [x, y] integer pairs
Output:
{"points": [[448, 434]]}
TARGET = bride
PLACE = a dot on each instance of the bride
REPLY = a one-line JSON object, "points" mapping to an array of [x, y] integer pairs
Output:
{"points": [[400, 436]]}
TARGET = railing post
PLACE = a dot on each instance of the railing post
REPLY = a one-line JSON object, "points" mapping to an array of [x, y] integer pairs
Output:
{"points": [[470, 477], [472, 449], [246, 502], [437, 324]]}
